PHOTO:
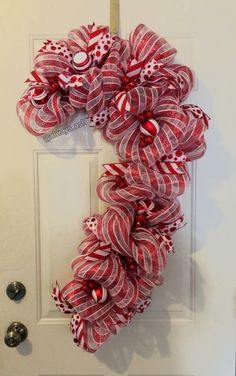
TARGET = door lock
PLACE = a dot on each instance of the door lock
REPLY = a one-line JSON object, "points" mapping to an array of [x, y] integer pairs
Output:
{"points": [[16, 333], [15, 290]]}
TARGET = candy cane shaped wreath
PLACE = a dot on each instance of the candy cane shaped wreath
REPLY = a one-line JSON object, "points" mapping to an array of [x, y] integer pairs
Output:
{"points": [[133, 92]]}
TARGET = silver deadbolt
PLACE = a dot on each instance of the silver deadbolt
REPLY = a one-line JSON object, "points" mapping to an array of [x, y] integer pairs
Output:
{"points": [[15, 290]]}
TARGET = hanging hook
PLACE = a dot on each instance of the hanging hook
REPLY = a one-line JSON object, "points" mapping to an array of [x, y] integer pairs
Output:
{"points": [[114, 16]]}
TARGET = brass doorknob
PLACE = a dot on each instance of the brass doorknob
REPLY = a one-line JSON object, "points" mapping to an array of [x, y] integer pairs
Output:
{"points": [[16, 333], [15, 290]]}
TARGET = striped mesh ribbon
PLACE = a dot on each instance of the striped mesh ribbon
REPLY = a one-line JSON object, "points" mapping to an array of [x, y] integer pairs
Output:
{"points": [[133, 91]]}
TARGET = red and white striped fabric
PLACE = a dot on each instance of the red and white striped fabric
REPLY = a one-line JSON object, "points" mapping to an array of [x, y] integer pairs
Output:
{"points": [[141, 182], [88, 333], [90, 46], [39, 120], [126, 294], [87, 38], [118, 228], [134, 68], [144, 64], [125, 131], [53, 59], [164, 185], [172, 79], [193, 143], [114, 169], [133, 91], [110, 273], [99, 85], [146, 45], [57, 61]]}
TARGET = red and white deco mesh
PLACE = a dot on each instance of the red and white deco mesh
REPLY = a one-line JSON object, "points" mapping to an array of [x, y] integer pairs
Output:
{"points": [[133, 92]]}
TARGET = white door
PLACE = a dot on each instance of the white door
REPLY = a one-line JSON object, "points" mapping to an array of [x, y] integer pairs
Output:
{"points": [[47, 188]]}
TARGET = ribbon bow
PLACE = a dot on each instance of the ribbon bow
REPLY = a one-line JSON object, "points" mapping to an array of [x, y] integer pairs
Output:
{"points": [[89, 45]]}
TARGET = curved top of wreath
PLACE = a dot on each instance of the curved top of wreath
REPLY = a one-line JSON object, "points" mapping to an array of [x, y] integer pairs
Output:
{"points": [[131, 89]]}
